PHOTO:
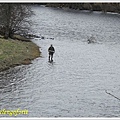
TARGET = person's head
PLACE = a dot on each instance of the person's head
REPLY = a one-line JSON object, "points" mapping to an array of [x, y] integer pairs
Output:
{"points": [[51, 45]]}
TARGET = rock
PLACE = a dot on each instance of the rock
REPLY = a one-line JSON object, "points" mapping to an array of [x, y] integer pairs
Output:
{"points": [[42, 37], [91, 40], [52, 38]]}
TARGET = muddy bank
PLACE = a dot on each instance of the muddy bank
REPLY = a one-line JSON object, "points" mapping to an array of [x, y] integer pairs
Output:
{"points": [[15, 52]]}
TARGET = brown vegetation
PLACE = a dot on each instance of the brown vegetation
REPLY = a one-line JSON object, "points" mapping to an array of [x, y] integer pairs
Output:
{"points": [[14, 52]]}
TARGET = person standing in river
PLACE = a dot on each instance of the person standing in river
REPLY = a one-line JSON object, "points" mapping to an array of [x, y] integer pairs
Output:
{"points": [[51, 51]]}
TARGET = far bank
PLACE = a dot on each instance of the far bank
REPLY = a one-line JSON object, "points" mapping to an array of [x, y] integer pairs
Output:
{"points": [[15, 52]]}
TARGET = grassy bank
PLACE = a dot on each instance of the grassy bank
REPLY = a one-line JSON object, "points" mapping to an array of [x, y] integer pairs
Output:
{"points": [[14, 52]]}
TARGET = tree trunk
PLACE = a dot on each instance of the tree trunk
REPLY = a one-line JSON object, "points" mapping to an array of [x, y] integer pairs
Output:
{"points": [[8, 14]]}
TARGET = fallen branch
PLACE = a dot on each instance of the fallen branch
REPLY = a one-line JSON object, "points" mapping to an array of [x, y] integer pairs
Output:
{"points": [[112, 95]]}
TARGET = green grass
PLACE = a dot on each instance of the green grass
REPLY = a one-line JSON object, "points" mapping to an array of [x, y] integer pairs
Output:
{"points": [[14, 52]]}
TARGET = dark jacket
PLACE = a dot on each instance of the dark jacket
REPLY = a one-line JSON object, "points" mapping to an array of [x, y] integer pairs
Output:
{"points": [[51, 49]]}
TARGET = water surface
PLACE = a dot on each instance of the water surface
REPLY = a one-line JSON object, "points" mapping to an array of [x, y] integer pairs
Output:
{"points": [[74, 84]]}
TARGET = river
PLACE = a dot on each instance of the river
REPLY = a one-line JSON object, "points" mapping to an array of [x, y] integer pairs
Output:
{"points": [[77, 82]]}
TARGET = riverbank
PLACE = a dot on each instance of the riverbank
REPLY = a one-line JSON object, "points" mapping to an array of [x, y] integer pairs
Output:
{"points": [[15, 52], [104, 7]]}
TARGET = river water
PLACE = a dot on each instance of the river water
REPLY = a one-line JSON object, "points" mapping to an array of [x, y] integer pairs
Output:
{"points": [[75, 84]]}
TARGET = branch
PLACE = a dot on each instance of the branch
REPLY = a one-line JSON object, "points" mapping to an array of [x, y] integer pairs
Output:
{"points": [[112, 95]]}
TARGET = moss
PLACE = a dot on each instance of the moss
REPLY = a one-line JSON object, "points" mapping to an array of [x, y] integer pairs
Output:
{"points": [[14, 52]]}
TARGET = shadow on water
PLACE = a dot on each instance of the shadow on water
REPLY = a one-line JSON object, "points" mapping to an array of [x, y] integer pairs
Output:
{"points": [[10, 79]]}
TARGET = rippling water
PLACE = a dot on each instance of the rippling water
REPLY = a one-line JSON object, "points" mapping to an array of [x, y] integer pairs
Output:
{"points": [[74, 84]]}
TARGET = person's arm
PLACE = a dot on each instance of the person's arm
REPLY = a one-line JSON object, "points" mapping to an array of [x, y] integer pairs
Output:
{"points": [[54, 49], [49, 49]]}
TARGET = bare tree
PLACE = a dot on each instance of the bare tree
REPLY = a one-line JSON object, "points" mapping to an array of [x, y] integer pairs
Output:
{"points": [[14, 18]]}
